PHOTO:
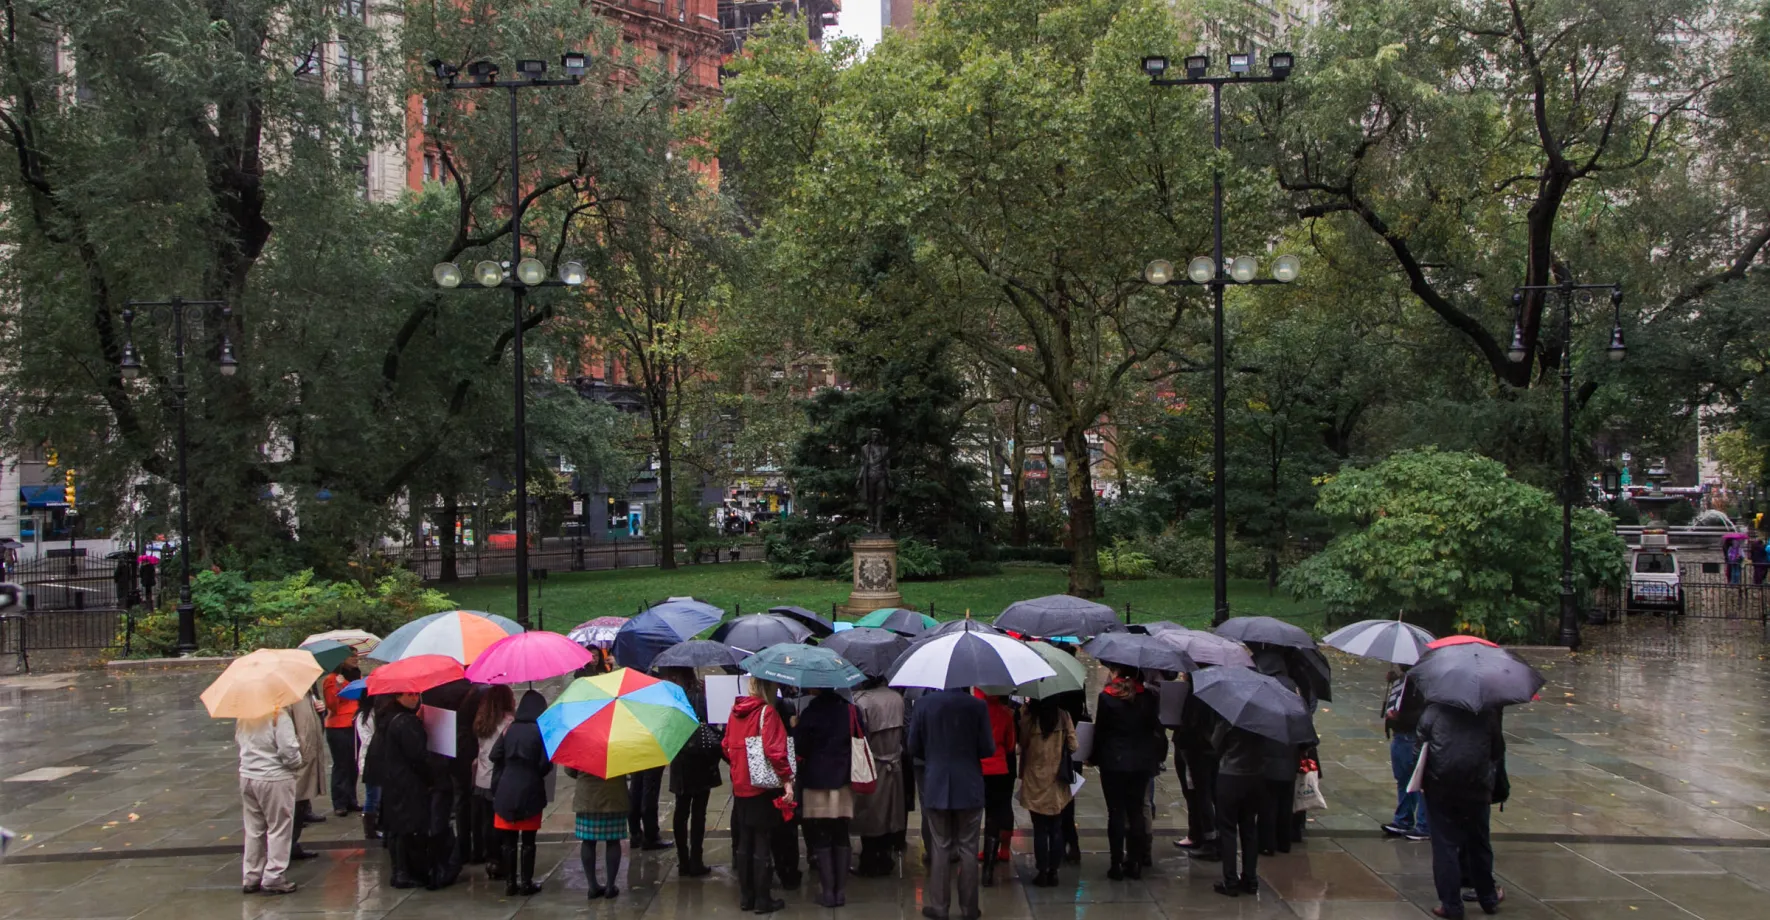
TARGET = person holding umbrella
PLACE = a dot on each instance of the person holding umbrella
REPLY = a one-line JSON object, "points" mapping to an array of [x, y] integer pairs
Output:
{"points": [[1127, 732], [999, 770], [497, 709], [398, 763], [1047, 738], [950, 732], [694, 774], [600, 807], [880, 817], [1402, 707], [761, 773]]}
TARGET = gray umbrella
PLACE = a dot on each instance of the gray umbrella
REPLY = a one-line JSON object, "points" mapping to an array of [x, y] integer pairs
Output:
{"points": [[699, 653], [819, 626], [1059, 615], [1139, 651], [1254, 702], [758, 631], [869, 649], [953, 626], [1475, 677], [1204, 647], [1265, 629]]}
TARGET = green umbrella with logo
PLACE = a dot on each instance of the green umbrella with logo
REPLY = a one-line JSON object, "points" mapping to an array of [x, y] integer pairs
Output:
{"points": [[798, 665]]}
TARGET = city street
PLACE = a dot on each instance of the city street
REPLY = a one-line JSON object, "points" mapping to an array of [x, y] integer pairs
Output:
{"points": [[1640, 789]]}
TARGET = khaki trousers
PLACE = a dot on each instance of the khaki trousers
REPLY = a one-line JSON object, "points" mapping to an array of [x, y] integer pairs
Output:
{"points": [[268, 807]]}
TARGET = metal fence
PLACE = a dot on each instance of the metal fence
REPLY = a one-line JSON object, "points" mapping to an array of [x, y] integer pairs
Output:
{"points": [[597, 557], [22, 634], [76, 583]]}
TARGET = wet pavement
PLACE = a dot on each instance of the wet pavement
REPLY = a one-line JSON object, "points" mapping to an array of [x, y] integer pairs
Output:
{"points": [[1641, 789]]}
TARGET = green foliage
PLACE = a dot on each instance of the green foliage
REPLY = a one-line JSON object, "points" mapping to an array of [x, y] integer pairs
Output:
{"points": [[1120, 561], [918, 561], [280, 613], [1187, 552], [1450, 537]]}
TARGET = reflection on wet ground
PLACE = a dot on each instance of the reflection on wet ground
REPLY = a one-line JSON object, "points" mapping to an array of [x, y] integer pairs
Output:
{"points": [[1640, 789]]}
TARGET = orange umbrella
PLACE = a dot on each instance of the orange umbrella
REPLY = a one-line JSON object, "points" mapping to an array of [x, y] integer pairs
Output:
{"points": [[260, 683]]}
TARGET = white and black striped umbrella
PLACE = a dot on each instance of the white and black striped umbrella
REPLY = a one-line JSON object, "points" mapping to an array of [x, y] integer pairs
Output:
{"points": [[969, 657], [1389, 640]]}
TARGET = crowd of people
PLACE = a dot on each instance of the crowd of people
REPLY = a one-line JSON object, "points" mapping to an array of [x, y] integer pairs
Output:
{"points": [[966, 756]]}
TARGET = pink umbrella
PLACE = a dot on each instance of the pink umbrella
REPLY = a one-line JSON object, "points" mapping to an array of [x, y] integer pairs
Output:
{"points": [[527, 656]]}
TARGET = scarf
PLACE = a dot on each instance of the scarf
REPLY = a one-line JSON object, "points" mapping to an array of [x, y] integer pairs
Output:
{"points": [[1124, 687]]}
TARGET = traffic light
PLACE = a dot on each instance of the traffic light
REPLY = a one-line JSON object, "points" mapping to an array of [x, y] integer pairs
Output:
{"points": [[50, 458], [67, 491]]}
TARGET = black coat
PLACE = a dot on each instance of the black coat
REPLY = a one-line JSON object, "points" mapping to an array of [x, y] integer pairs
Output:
{"points": [[1128, 735], [1193, 736], [399, 762], [821, 740], [1239, 752], [692, 772], [1465, 751], [520, 765], [950, 733]]}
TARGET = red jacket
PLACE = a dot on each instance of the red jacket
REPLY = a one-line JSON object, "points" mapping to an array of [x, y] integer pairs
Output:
{"points": [[751, 718], [1001, 725], [340, 713]]}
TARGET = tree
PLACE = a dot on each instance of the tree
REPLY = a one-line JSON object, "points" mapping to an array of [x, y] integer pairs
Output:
{"points": [[1447, 539], [1002, 175]]}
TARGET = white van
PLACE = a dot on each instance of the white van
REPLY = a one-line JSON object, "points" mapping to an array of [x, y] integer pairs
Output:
{"points": [[1653, 576]]}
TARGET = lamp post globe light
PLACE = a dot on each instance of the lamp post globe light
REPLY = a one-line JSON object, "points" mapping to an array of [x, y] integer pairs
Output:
{"points": [[130, 368], [1564, 294], [523, 273], [1214, 273]]}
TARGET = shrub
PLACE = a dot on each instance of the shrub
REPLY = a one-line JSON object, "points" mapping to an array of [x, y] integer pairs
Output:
{"points": [[1123, 561], [918, 561]]}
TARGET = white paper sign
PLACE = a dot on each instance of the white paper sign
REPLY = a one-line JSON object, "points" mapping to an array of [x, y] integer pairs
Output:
{"points": [[1076, 786], [722, 691], [1084, 742], [439, 729], [1417, 781]]}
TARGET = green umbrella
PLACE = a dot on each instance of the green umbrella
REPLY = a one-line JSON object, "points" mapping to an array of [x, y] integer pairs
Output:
{"points": [[897, 619], [798, 665], [330, 653], [1070, 675]]}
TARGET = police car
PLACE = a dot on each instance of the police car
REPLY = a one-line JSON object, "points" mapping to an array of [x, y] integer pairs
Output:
{"points": [[1653, 576]]}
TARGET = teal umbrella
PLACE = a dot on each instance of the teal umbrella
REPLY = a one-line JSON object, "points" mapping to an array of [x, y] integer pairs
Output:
{"points": [[798, 665], [898, 620], [330, 653]]}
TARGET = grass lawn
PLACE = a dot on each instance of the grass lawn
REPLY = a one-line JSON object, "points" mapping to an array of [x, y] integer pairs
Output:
{"points": [[569, 598]]}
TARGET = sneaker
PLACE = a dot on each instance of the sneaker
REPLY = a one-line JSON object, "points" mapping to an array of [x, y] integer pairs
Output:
{"points": [[1396, 830], [1417, 835], [1494, 908], [1469, 896], [250, 888], [282, 887]]}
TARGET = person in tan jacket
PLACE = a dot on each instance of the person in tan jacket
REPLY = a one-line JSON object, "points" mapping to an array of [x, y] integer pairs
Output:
{"points": [[1046, 735], [310, 780]]}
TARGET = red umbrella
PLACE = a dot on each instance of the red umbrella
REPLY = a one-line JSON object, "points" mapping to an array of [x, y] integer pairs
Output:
{"points": [[415, 674], [1461, 640]]}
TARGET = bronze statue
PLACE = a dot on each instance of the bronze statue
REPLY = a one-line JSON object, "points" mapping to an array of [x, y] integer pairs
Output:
{"points": [[874, 478]]}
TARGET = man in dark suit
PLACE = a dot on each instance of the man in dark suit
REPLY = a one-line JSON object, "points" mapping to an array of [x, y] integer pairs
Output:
{"points": [[950, 733]]}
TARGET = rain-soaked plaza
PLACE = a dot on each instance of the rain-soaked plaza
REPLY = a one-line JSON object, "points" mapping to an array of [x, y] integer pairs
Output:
{"points": [[1641, 789]]}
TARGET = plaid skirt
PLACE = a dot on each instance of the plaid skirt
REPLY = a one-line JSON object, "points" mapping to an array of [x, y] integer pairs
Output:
{"points": [[601, 825]]}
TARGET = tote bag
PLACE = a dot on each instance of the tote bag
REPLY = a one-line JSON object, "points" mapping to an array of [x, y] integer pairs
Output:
{"points": [[1306, 796], [762, 774], [863, 774]]}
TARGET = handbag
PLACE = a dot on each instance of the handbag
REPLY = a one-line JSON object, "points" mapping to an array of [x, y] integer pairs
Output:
{"points": [[1066, 767], [863, 774], [707, 739], [762, 774], [1306, 796]]}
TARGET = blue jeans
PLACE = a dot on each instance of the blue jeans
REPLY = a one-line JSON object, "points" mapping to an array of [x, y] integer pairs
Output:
{"points": [[1410, 807], [372, 800]]}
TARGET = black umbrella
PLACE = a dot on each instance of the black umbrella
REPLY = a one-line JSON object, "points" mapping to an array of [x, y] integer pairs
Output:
{"points": [[1316, 672], [819, 626], [1139, 651], [1475, 677], [1059, 615], [953, 626], [758, 631], [869, 649], [699, 653], [1267, 630], [1255, 702]]}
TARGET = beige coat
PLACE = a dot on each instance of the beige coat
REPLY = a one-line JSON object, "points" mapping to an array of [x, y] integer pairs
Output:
{"points": [[882, 812], [1040, 755], [310, 733]]}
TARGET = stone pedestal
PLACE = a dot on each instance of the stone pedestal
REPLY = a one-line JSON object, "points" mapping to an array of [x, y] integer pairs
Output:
{"points": [[875, 576]]}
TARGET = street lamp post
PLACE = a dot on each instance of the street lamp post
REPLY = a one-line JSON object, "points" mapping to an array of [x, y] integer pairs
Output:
{"points": [[130, 368], [1565, 293], [523, 274], [1240, 71]]}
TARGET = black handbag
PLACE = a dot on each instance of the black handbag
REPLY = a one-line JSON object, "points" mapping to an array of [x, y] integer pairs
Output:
{"points": [[708, 739], [1066, 768]]}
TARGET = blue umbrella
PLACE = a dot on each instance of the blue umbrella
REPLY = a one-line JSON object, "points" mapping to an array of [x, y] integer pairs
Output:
{"points": [[675, 620], [354, 690]]}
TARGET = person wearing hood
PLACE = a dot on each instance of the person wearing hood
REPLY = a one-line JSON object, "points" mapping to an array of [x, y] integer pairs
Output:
{"points": [[1465, 754], [341, 735], [1128, 748], [1279, 767], [519, 792], [398, 764], [999, 771], [761, 773]]}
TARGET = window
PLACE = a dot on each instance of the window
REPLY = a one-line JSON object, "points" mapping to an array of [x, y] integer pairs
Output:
{"points": [[681, 10], [354, 9], [362, 189], [356, 69], [431, 169], [353, 121], [424, 112], [667, 59]]}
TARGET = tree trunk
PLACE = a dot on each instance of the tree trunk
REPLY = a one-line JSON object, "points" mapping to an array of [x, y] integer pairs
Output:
{"points": [[666, 505], [1019, 534], [447, 570], [1084, 562]]}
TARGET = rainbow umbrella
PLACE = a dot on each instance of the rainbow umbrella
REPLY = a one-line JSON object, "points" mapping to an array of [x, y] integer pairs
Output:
{"points": [[459, 634], [617, 723]]}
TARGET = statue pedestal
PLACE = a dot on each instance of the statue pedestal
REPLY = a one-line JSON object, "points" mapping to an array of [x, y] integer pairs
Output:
{"points": [[875, 576]]}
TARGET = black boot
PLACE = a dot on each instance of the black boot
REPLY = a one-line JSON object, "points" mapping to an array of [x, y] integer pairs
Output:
{"points": [[397, 846], [511, 887], [826, 876], [988, 879], [761, 871], [744, 865], [371, 826], [528, 886], [841, 856]]}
